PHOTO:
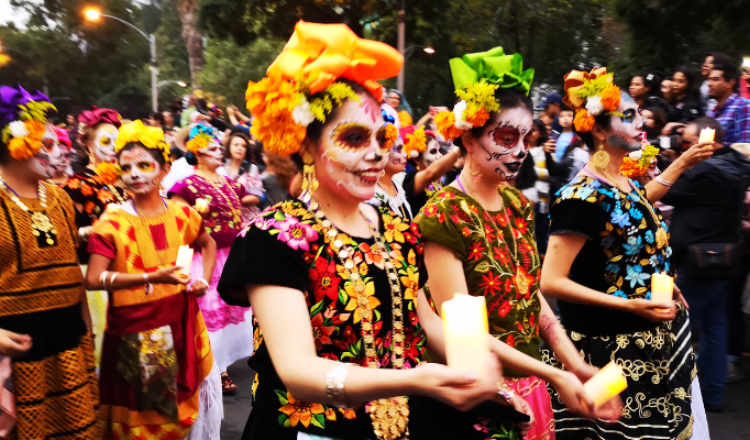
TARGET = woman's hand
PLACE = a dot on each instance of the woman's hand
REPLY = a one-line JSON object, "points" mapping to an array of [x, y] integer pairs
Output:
{"points": [[677, 295], [459, 389], [611, 411], [166, 276], [697, 154], [667, 130], [13, 344], [570, 389], [520, 405], [550, 146], [199, 287], [653, 311]]}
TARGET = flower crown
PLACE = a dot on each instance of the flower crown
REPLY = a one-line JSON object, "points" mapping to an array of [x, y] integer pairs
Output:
{"points": [[150, 137], [391, 132], [300, 86], [477, 77], [591, 94], [25, 115], [200, 136], [415, 140], [636, 163]]}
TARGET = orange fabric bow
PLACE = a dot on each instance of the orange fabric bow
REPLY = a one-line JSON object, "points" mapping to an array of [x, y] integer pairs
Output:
{"points": [[574, 82], [324, 53]]}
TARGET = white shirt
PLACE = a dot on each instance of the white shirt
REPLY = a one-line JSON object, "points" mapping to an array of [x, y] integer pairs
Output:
{"points": [[397, 203]]}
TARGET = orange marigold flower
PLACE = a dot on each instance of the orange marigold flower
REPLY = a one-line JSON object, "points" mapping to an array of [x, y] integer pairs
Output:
{"points": [[631, 168], [446, 123], [391, 135], [477, 116], [26, 147], [108, 172], [611, 98], [271, 101], [584, 121]]}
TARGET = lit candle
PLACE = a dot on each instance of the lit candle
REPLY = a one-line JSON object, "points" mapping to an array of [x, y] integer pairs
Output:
{"points": [[184, 260], [707, 135], [661, 288], [606, 384], [201, 205], [465, 325]]}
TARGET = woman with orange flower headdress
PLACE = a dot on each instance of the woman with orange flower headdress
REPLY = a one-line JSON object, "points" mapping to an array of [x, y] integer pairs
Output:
{"points": [[606, 241], [334, 281]]}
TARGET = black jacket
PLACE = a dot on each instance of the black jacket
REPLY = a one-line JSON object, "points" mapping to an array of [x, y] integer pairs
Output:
{"points": [[708, 200]]}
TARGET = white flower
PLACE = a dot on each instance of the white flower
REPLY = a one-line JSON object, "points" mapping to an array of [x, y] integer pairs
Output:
{"points": [[458, 112], [636, 155], [18, 129], [594, 105], [302, 114]]}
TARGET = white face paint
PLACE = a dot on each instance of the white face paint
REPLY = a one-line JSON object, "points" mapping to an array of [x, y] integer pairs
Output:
{"points": [[48, 160], [625, 130], [211, 156], [141, 173], [351, 154], [104, 142], [432, 152], [501, 149], [397, 160]]}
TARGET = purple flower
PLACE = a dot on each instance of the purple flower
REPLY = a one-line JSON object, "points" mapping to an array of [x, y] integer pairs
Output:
{"points": [[296, 234]]}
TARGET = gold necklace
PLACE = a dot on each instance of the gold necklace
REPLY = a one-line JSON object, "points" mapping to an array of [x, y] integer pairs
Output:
{"points": [[40, 222], [390, 416]]}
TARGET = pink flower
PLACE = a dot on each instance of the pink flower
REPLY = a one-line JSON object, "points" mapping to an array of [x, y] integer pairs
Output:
{"points": [[264, 224], [296, 234]]}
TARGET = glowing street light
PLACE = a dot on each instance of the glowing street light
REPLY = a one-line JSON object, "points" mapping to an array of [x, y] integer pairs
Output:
{"points": [[429, 50], [92, 14]]}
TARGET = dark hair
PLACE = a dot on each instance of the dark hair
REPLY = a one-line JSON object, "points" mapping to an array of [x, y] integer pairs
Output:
{"points": [[156, 154], [603, 120], [730, 72], [659, 116], [176, 152], [653, 84], [191, 158], [706, 122], [158, 116], [693, 91], [719, 58], [526, 174], [508, 99], [237, 134], [565, 108], [541, 127], [4, 151]]}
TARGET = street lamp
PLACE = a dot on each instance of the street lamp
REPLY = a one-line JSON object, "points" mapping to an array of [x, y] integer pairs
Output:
{"points": [[161, 84], [94, 15], [407, 53]]}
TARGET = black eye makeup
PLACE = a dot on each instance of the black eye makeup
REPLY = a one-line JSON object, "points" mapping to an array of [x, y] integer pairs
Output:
{"points": [[628, 116], [353, 136]]}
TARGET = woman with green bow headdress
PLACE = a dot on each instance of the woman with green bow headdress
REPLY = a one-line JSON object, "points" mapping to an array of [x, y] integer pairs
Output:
{"points": [[483, 228]]}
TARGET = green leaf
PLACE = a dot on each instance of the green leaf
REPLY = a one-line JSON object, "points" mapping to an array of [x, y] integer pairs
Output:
{"points": [[319, 420], [317, 308], [343, 297], [282, 397], [283, 420], [279, 216]]}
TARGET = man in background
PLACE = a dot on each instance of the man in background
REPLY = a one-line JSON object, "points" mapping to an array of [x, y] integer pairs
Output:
{"points": [[732, 111]]}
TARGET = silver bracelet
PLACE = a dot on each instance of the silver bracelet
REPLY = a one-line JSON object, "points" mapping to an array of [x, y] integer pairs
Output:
{"points": [[103, 280], [203, 281], [666, 183], [112, 279], [335, 381]]}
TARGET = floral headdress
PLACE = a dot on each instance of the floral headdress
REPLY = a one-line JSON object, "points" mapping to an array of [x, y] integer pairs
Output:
{"points": [[476, 77], [300, 85], [590, 94], [636, 163], [415, 140], [391, 132], [150, 137], [100, 115], [63, 137], [24, 115], [200, 136]]}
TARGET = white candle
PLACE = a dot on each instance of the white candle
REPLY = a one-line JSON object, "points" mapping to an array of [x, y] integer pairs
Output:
{"points": [[184, 260], [606, 384], [465, 325], [661, 288], [201, 205], [707, 135]]}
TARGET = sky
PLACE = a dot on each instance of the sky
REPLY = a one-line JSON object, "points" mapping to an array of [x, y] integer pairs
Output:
{"points": [[8, 14]]}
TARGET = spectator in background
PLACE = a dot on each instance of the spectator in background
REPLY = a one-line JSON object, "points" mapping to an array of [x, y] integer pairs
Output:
{"points": [[666, 89], [711, 60], [397, 101], [277, 178], [707, 200], [686, 102], [732, 112], [551, 106], [539, 193], [645, 89], [185, 116], [565, 122], [155, 119], [745, 82], [654, 121], [168, 116]]}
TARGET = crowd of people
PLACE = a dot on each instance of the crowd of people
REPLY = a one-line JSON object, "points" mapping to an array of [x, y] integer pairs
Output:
{"points": [[321, 235]]}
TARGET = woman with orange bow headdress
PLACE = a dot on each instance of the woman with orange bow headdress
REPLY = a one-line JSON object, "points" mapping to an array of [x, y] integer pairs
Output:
{"points": [[341, 338], [607, 240]]}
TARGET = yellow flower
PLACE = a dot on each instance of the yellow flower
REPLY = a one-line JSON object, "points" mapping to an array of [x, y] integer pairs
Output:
{"points": [[394, 228], [361, 298], [446, 123], [271, 101], [299, 411], [108, 171], [411, 282], [391, 135], [611, 98], [583, 121], [150, 137], [415, 142], [199, 142]]}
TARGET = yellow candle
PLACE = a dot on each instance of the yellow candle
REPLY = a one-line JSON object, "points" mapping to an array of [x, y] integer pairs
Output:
{"points": [[661, 288], [606, 384], [201, 205], [465, 325], [184, 260], [707, 135]]}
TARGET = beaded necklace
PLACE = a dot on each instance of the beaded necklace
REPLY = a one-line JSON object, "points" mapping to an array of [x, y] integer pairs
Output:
{"points": [[40, 222]]}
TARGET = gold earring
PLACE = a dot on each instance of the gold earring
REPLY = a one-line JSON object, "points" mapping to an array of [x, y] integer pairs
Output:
{"points": [[476, 174], [600, 159], [309, 182]]}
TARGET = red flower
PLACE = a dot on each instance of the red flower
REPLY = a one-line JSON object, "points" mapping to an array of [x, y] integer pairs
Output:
{"points": [[476, 251], [519, 324], [411, 238], [523, 281], [489, 231], [511, 341], [466, 231], [500, 219], [522, 225], [505, 309], [532, 319], [321, 333], [501, 255], [414, 228], [430, 210], [491, 283], [323, 280]]}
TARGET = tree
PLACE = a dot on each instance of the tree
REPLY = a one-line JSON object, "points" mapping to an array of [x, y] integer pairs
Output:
{"points": [[188, 12]]}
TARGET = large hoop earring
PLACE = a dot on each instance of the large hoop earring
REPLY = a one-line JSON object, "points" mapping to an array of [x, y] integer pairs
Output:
{"points": [[600, 159], [475, 173], [309, 182]]}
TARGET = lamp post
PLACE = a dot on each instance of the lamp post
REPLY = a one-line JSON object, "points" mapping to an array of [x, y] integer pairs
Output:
{"points": [[401, 42], [94, 15], [161, 84], [407, 53]]}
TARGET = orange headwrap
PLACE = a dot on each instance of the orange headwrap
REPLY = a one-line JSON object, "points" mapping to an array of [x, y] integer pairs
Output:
{"points": [[326, 52], [574, 82]]}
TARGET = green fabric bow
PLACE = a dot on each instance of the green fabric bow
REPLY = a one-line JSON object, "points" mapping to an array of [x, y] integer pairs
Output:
{"points": [[494, 67]]}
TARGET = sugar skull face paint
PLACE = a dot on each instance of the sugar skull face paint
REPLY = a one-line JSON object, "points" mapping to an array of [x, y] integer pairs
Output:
{"points": [[626, 128], [502, 147], [432, 153], [352, 154], [104, 142], [49, 159], [141, 173], [397, 159], [211, 156]]}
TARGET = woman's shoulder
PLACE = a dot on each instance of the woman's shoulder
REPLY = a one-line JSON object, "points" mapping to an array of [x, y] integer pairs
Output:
{"points": [[446, 200], [584, 188]]}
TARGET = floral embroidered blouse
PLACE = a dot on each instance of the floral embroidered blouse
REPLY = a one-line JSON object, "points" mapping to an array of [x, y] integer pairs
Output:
{"points": [[626, 242], [285, 247], [486, 242]]}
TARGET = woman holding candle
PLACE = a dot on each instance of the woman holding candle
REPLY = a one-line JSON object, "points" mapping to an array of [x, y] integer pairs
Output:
{"points": [[333, 281], [219, 200], [607, 240], [158, 376], [482, 228]]}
